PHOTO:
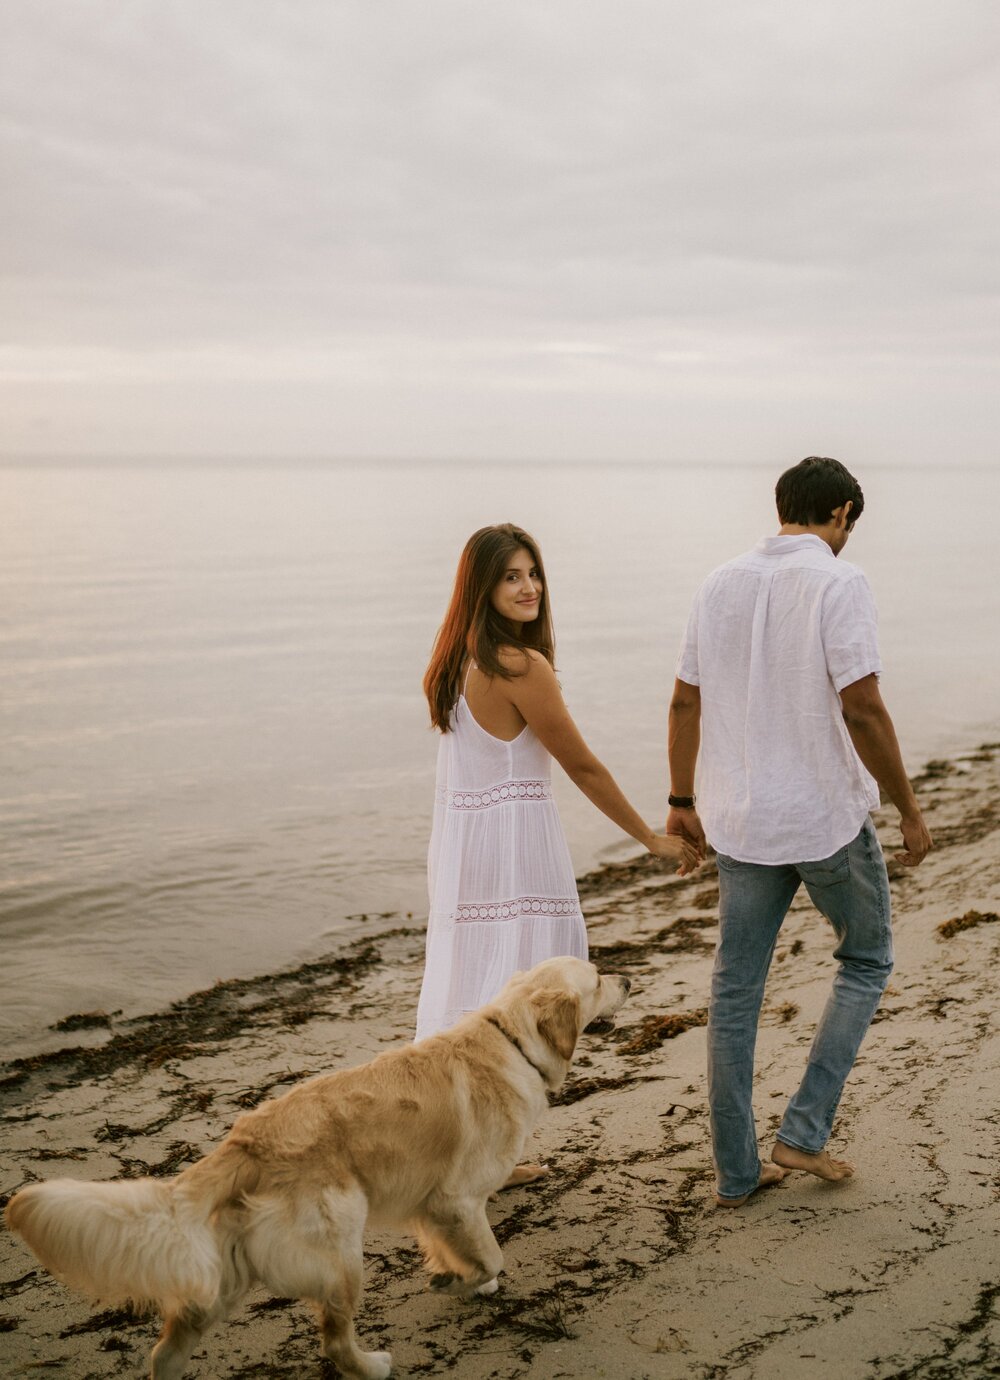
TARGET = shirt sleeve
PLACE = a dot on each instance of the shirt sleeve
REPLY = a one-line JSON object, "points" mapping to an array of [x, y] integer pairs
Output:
{"points": [[687, 662], [850, 632]]}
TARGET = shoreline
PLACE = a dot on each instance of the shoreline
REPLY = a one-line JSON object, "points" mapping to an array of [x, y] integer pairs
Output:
{"points": [[617, 1265]]}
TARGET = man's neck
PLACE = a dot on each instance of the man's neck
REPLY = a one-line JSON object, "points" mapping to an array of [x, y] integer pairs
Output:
{"points": [[834, 531], [826, 532]]}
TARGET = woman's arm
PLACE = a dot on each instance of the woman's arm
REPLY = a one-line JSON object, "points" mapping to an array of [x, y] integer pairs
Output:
{"points": [[536, 695]]}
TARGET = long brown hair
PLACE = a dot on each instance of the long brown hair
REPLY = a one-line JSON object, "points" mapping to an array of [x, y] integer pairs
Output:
{"points": [[473, 628]]}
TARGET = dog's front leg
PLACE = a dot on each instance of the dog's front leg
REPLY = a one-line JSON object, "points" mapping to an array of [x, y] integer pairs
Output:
{"points": [[460, 1238]]}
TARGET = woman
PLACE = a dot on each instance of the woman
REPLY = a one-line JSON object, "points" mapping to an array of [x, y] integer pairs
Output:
{"points": [[502, 890]]}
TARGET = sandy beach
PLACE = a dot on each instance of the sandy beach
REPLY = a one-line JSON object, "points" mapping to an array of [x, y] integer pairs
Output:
{"points": [[618, 1265]]}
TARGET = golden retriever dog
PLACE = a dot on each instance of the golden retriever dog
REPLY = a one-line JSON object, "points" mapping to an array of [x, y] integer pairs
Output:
{"points": [[419, 1138]]}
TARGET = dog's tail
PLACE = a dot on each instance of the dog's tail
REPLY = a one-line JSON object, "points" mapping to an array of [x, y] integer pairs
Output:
{"points": [[144, 1241]]}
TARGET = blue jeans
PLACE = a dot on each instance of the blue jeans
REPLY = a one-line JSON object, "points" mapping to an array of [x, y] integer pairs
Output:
{"points": [[852, 890]]}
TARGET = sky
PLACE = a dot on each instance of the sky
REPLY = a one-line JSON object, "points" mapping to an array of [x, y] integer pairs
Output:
{"points": [[567, 230]]}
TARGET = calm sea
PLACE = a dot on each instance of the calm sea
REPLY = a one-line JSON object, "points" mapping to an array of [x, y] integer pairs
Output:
{"points": [[214, 751]]}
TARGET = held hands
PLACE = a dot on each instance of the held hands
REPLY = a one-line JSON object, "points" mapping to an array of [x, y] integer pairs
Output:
{"points": [[671, 848], [686, 825], [917, 841]]}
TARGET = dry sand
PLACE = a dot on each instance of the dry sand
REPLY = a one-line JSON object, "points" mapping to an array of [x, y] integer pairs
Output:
{"points": [[618, 1265]]}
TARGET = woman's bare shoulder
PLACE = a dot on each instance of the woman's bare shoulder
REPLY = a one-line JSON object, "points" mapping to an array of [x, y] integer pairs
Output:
{"points": [[520, 660]]}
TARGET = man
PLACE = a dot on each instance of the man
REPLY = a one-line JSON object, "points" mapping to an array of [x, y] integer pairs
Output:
{"points": [[777, 682]]}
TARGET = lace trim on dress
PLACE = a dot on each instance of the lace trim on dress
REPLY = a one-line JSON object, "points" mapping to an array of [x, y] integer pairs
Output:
{"points": [[520, 905], [496, 795]]}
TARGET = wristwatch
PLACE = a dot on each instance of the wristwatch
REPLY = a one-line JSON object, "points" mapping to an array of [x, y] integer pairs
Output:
{"points": [[681, 802]]}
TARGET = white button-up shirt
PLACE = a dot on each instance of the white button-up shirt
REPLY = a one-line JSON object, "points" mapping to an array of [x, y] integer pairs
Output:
{"points": [[773, 637]]}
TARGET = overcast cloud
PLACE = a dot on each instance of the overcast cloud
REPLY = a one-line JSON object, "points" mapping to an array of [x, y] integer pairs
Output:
{"points": [[626, 228]]}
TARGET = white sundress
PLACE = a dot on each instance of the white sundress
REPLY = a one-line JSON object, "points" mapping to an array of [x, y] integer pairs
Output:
{"points": [[502, 890]]}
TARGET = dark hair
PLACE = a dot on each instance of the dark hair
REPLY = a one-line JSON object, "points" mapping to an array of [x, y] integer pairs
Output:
{"points": [[808, 493], [473, 628]]}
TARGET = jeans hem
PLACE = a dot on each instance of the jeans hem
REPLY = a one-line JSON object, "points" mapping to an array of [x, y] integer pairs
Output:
{"points": [[792, 1145]]}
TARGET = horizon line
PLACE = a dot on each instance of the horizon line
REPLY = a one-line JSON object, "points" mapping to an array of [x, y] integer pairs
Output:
{"points": [[21, 460]]}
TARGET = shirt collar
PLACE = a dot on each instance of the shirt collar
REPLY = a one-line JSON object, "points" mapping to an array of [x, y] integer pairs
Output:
{"points": [[782, 545]]}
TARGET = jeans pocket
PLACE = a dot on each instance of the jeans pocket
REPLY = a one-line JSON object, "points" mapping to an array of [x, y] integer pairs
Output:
{"points": [[828, 871], [727, 864]]}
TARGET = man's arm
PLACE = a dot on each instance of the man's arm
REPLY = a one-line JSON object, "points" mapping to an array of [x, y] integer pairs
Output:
{"points": [[874, 739], [683, 741]]}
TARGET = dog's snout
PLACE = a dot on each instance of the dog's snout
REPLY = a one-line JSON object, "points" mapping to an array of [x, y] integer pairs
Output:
{"points": [[626, 985]]}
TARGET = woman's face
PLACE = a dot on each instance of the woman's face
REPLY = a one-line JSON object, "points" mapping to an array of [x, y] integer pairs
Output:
{"points": [[517, 595]]}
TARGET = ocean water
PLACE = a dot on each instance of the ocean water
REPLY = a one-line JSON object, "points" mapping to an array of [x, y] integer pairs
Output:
{"points": [[214, 749]]}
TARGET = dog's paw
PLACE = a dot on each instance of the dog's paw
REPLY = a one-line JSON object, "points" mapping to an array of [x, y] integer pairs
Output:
{"points": [[378, 1365], [455, 1285]]}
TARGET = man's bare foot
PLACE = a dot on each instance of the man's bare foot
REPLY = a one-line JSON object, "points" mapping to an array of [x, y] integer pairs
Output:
{"points": [[822, 1165], [769, 1174], [525, 1174]]}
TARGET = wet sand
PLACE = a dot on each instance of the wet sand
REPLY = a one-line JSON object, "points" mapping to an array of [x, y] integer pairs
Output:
{"points": [[618, 1265]]}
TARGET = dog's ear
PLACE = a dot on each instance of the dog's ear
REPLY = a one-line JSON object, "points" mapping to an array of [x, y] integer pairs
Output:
{"points": [[559, 1021]]}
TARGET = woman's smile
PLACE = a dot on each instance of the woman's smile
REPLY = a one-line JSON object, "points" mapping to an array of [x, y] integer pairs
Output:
{"points": [[517, 595]]}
